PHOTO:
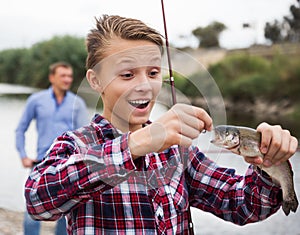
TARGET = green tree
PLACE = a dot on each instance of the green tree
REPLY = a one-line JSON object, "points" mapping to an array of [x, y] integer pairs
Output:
{"points": [[66, 48], [293, 34], [286, 30], [11, 63], [209, 36], [273, 31]]}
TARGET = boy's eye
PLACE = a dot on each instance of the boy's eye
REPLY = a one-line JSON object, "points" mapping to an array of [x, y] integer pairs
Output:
{"points": [[153, 73], [127, 75]]}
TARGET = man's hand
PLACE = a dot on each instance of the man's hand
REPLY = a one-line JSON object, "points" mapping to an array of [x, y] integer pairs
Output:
{"points": [[27, 162]]}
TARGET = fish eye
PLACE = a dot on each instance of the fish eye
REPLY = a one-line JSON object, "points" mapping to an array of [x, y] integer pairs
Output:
{"points": [[227, 133]]}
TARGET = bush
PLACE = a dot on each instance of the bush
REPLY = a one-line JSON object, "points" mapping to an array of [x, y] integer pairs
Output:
{"points": [[235, 66], [249, 87], [246, 77], [189, 85]]}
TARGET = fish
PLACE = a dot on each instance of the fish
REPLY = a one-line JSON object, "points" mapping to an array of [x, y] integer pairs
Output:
{"points": [[245, 141]]}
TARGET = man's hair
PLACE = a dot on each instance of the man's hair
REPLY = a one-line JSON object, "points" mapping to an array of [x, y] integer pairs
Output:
{"points": [[108, 27], [54, 66]]}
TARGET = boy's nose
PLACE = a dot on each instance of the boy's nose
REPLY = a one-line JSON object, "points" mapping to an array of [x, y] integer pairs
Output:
{"points": [[144, 84]]}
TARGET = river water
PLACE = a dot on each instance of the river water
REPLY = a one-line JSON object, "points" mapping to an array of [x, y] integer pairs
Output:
{"points": [[13, 176]]}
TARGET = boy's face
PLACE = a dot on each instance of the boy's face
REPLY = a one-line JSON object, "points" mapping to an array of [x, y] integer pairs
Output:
{"points": [[129, 81]]}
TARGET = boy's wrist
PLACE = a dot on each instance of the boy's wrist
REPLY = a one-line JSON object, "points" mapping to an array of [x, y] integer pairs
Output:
{"points": [[139, 142], [145, 140]]}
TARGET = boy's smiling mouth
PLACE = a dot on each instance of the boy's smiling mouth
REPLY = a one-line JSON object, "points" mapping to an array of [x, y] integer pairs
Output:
{"points": [[140, 104]]}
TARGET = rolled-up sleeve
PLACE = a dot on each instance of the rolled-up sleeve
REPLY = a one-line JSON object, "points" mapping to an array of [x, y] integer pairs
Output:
{"points": [[239, 199], [74, 172]]}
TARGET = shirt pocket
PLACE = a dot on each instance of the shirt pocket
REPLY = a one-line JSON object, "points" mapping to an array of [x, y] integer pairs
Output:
{"points": [[180, 196], [178, 187]]}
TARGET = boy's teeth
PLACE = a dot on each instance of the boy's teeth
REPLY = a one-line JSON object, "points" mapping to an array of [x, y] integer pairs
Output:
{"points": [[140, 104], [139, 101]]}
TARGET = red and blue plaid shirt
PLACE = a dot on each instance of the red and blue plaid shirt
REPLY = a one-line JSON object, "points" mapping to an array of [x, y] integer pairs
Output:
{"points": [[89, 176]]}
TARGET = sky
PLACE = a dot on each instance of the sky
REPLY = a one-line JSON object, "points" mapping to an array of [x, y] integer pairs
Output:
{"points": [[23, 23]]}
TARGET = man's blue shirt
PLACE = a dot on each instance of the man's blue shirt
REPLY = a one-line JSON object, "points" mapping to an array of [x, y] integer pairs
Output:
{"points": [[52, 119]]}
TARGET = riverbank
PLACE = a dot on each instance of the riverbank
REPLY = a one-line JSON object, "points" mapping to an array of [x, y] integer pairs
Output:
{"points": [[250, 113], [11, 223], [259, 107]]}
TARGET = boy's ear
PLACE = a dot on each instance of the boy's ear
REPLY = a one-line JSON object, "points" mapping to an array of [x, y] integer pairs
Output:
{"points": [[93, 81]]}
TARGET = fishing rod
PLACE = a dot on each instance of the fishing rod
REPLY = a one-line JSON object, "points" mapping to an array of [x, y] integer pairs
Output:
{"points": [[172, 84], [171, 78]]}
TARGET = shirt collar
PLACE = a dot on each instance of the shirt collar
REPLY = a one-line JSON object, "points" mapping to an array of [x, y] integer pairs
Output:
{"points": [[107, 128], [50, 89], [103, 125]]}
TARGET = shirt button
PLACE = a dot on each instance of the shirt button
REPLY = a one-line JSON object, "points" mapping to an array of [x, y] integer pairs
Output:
{"points": [[122, 171], [172, 162], [153, 182]]}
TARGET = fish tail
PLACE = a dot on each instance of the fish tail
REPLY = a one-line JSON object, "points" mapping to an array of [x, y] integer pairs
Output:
{"points": [[290, 205]]}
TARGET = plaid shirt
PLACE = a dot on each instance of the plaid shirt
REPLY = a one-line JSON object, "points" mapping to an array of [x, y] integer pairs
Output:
{"points": [[89, 176]]}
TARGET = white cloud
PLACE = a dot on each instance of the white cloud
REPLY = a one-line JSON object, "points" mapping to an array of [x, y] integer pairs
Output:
{"points": [[23, 23]]}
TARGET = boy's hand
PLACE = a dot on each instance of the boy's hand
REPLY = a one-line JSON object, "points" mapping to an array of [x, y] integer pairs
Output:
{"points": [[183, 123], [276, 144], [179, 126]]}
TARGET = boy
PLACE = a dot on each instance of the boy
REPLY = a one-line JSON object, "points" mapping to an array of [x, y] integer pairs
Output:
{"points": [[125, 175]]}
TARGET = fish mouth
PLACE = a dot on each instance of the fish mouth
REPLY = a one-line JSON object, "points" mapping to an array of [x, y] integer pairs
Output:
{"points": [[223, 140], [231, 147], [139, 104], [225, 145], [216, 138]]}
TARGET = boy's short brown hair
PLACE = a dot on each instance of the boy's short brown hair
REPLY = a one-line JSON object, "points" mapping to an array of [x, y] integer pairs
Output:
{"points": [[108, 27]]}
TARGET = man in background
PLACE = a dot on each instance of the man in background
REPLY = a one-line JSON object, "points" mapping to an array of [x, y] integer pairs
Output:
{"points": [[55, 110]]}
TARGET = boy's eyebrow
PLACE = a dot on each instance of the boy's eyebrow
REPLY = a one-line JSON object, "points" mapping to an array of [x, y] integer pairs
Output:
{"points": [[156, 59], [130, 60]]}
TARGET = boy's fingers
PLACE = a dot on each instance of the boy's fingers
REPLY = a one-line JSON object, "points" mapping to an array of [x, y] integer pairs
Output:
{"points": [[185, 141], [204, 116], [284, 148], [266, 136], [276, 143], [292, 148], [254, 160], [189, 132], [274, 146], [186, 112], [270, 141], [194, 123]]}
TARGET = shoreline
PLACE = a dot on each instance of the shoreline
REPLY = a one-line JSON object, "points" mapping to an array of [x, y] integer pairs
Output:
{"points": [[12, 223]]}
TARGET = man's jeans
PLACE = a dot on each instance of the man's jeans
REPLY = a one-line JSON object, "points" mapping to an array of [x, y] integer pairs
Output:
{"points": [[32, 227]]}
